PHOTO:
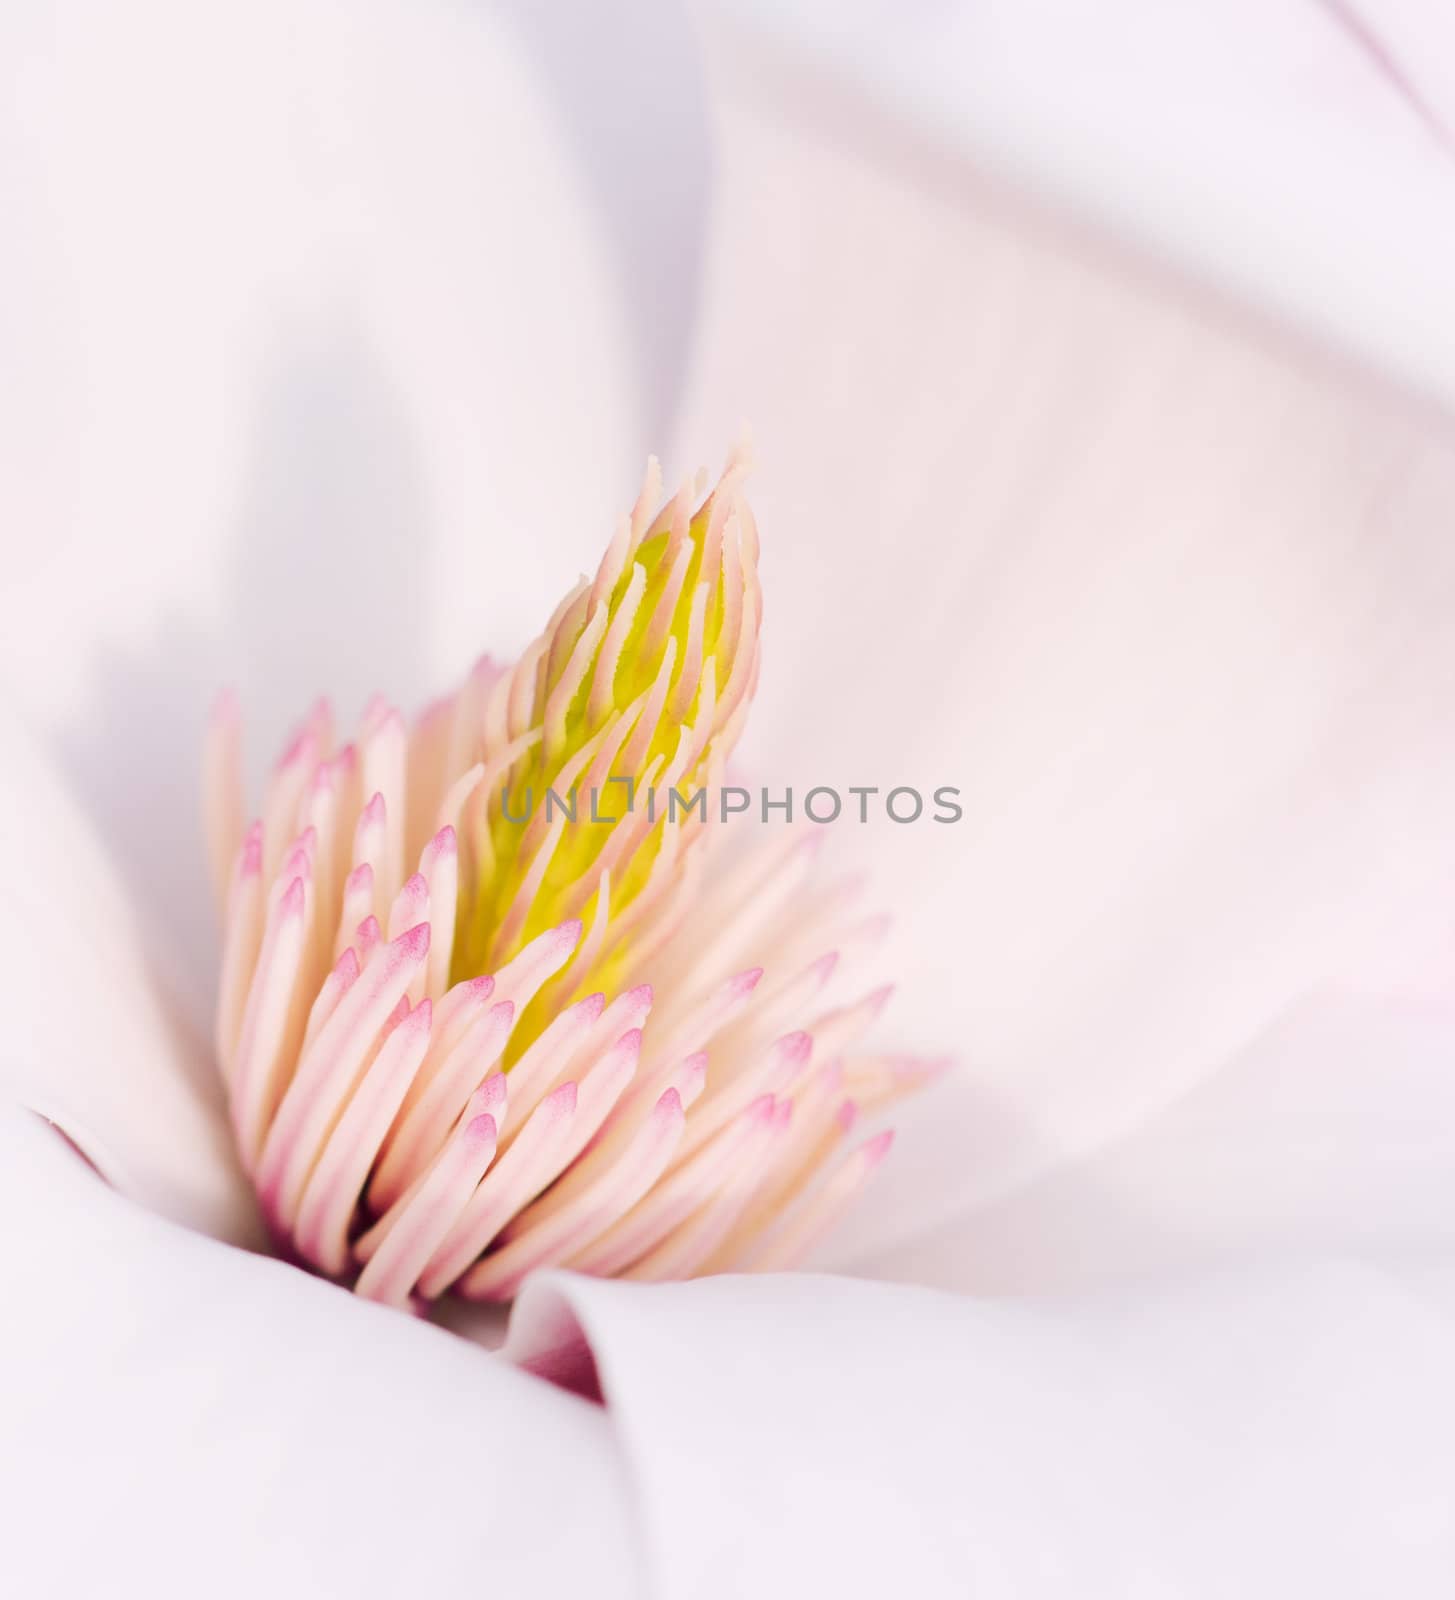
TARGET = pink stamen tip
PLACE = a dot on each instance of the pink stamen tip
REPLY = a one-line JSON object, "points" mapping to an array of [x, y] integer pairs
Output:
{"points": [[824, 966], [373, 813], [347, 966], [795, 1047], [296, 864], [504, 1011], [782, 1115], [420, 1018], [368, 931], [415, 942], [252, 851], [569, 933], [631, 1041], [291, 905], [848, 1114], [877, 1148], [416, 886], [480, 1130], [491, 1093], [479, 989], [669, 1105], [300, 744], [562, 1101], [346, 761], [761, 1110], [396, 1016], [593, 1005], [361, 878], [444, 843], [641, 995], [746, 982], [880, 998]]}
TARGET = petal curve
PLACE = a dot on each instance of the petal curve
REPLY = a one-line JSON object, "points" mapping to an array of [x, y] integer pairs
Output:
{"points": [[185, 1419], [1200, 1436]]}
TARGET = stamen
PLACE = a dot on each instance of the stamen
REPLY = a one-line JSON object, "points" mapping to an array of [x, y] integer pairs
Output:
{"points": [[646, 1081], [391, 1274]]}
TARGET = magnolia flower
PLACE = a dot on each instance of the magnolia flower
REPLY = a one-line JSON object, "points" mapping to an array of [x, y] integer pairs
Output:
{"points": [[423, 1067], [1080, 362]]}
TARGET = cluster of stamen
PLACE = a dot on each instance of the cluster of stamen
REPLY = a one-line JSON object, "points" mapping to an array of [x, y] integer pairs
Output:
{"points": [[444, 1078]]}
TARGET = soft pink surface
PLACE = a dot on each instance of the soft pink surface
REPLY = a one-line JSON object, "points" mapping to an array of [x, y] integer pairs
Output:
{"points": [[1166, 593]]}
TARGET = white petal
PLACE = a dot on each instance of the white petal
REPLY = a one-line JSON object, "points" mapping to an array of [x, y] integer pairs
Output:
{"points": [[1299, 156], [320, 365], [92, 1039], [1245, 1433], [1333, 1129], [1166, 597], [215, 1423]]}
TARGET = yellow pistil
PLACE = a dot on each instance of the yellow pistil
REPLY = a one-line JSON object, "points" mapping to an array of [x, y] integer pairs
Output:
{"points": [[596, 747]]}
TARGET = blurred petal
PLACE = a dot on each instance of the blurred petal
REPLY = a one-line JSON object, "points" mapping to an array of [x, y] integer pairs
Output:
{"points": [[319, 367], [1241, 1433], [92, 1040], [226, 1425], [1332, 1130], [1299, 154], [1181, 596]]}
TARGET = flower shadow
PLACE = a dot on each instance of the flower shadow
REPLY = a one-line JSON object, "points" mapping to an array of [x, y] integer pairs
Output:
{"points": [[328, 546]]}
